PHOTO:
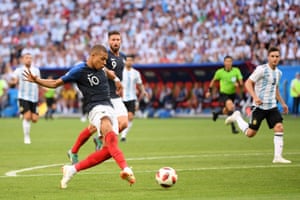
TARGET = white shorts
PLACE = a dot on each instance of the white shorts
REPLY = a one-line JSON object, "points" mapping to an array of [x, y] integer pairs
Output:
{"points": [[119, 107], [100, 111]]}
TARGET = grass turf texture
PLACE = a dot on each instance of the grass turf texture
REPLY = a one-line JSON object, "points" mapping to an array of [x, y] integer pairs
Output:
{"points": [[211, 162]]}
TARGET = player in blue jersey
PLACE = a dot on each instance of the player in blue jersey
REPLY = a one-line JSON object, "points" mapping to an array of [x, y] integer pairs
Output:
{"points": [[115, 62], [262, 85], [28, 94], [92, 81]]}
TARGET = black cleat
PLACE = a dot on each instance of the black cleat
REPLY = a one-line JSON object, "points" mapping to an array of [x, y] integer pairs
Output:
{"points": [[235, 131]]}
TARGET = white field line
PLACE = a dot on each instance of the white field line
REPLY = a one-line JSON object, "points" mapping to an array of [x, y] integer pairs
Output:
{"points": [[14, 173]]}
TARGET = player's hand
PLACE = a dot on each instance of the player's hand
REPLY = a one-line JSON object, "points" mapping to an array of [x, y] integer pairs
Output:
{"points": [[257, 101], [119, 88], [285, 109], [207, 94], [28, 76], [145, 94]]}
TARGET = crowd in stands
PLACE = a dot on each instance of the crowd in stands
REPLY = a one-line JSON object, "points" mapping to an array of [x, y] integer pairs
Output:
{"points": [[60, 32]]}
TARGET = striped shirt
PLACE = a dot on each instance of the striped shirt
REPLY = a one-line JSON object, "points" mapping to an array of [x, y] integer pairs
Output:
{"points": [[27, 90], [266, 81], [131, 78]]}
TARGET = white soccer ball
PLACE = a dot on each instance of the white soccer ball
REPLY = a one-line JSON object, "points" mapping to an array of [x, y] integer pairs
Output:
{"points": [[166, 177]]}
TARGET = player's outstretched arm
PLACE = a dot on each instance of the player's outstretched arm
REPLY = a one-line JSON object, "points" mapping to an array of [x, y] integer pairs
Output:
{"points": [[50, 83]]}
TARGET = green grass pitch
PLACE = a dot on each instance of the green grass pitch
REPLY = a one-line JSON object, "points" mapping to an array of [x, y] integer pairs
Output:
{"points": [[211, 162]]}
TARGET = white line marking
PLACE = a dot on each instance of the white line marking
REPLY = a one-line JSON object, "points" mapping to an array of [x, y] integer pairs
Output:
{"points": [[14, 173]]}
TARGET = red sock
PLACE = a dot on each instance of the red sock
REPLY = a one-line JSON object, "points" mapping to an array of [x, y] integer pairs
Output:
{"points": [[81, 139], [111, 141], [93, 159]]}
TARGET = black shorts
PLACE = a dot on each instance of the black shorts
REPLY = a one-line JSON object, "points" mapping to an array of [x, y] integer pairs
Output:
{"points": [[224, 97], [130, 105], [272, 116], [50, 102], [25, 106]]}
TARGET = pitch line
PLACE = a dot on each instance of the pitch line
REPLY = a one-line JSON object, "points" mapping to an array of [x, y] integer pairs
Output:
{"points": [[14, 173], [153, 171]]}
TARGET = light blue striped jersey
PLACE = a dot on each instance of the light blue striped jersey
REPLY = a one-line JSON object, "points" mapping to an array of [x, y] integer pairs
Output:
{"points": [[131, 78], [266, 82], [27, 90]]}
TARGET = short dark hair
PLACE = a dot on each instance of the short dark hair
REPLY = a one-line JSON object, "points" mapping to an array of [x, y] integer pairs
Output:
{"points": [[227, 57], [98, 48], [272, 49], [114, 32]]}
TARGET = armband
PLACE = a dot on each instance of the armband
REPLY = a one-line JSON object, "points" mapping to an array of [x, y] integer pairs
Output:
{"points": [[116, 79]]}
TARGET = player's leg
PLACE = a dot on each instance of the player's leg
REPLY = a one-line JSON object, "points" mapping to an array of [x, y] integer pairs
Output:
{"points": [[102, 118], [122, 116], [220, 110], [130, 105], [250, 129], [83, 136], [228, 110], [126, 130], [121, 113], [26, 124], [274, 120], [111, 142], [24, 107]]}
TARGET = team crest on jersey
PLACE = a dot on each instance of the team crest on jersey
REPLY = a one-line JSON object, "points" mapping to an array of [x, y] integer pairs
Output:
{"points": [[254, 122]]}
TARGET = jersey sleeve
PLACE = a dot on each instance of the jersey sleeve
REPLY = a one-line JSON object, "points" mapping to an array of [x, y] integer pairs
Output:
{"points": [[138, 77], [217, 75], [72, 75], [239, 74], [16, 73], [256, 75]]}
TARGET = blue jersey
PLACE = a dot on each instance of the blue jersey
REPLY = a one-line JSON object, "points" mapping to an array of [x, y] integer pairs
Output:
{"points": [[115, 63], [92, 83]]}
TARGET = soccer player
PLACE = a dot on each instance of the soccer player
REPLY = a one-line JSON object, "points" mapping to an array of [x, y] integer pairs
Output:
{"points": [[115, 62], [230, 78], [262, 85], [50, 101], [93, 83], [131, 80], [28, 94]]}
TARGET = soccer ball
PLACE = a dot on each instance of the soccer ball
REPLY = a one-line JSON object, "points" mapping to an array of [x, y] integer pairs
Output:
{"points": [[166, 177]]}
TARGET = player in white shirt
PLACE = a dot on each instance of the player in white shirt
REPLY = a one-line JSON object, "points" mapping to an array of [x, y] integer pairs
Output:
{"points": [[28, 94], [131, 80], [262, 85]]}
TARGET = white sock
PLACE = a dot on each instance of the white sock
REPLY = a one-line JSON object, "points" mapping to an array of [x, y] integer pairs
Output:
{"points": [[278, 144], [73, 169], [26, 128], [243, 125], [126, 130]]}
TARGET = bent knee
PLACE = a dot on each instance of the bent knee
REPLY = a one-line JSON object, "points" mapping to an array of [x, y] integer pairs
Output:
{"points": [[278, 127], [123, 125]]}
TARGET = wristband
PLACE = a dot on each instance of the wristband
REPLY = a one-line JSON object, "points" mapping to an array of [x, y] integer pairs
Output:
{"points": [[116, 79]]}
